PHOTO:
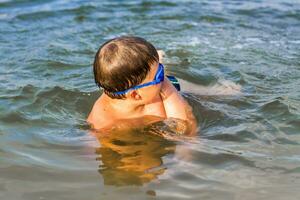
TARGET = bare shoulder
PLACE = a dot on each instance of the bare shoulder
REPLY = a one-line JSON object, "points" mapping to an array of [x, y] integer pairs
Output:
{"points": [[99, 117]]}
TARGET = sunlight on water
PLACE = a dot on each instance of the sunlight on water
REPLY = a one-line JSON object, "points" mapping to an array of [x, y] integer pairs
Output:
{"points": [[249, 143]]}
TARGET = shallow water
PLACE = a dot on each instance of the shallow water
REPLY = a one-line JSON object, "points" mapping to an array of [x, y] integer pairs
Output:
{"points": [[248, 147]]}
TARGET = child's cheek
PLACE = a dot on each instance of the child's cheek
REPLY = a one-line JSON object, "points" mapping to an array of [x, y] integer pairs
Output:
{"points": [[153, 93]]}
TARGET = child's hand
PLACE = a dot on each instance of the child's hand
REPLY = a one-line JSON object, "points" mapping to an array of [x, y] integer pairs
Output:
{"points": [[161, 55]]}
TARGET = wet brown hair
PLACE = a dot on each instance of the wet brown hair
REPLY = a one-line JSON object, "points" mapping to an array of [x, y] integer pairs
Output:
{"points": [[122, 63]]}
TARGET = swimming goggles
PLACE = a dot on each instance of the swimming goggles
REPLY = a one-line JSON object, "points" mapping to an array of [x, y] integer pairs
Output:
{"points": [[159, 77]]}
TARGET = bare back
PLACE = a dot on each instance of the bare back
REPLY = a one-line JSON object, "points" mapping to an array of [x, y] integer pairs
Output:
{"points": [[103, 115]]}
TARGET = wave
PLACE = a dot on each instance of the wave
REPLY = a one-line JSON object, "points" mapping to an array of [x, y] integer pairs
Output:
{"points": [[32, 104], [39, 15], [276, 107]]}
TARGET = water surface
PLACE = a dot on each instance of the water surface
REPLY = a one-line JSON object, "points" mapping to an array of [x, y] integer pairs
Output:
{"points": [[248, 147]]}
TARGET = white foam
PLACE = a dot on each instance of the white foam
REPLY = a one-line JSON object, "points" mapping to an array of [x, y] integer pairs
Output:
{"points": [[238, 46], [195, 41], [295, 41], [3, 16], [223, 87], [254, 40]]}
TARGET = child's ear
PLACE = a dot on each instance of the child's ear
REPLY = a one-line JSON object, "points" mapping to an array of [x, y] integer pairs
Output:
{"points": [[135, 95]]}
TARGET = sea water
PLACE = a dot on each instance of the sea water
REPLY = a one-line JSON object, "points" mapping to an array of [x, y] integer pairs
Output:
{"points": [[248, 146]]}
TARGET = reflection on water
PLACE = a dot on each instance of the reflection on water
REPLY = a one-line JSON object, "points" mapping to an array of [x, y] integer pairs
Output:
{"points": [[249, 146], [132, 157]]}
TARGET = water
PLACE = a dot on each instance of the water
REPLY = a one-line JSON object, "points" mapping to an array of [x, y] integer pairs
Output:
{"points": [[248, 146]]}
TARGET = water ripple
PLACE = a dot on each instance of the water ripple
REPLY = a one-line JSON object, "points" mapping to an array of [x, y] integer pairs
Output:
{"points": [[248, 146]]}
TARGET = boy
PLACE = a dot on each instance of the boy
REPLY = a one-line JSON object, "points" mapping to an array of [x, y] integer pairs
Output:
{"points": [[136, 90]]}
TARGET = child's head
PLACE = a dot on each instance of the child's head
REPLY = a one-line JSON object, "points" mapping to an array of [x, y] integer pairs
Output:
{"points": [[124, 62]]}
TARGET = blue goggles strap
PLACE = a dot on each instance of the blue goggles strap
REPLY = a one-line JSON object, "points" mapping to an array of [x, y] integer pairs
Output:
{"points": [[159, 77], [138, 87]]}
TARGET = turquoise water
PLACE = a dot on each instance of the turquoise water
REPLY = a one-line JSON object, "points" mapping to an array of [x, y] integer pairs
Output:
{"points": [[248, 146]]}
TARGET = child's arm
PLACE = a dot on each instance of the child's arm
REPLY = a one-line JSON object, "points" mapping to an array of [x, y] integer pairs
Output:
{"points": [[174, 104], [177, 108]]}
